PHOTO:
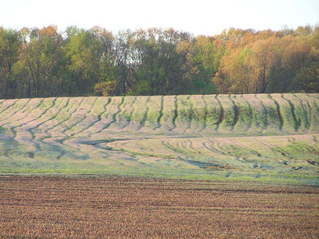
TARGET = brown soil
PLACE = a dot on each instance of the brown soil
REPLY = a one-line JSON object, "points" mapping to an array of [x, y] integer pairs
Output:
{"points": [[116, 207]]}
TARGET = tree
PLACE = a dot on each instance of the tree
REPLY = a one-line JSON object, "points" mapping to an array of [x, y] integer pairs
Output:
{"points": [[10, 43], [40, 63]]}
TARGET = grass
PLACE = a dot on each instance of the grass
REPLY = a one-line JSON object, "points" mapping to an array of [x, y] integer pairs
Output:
{"points": [[225, 137]]}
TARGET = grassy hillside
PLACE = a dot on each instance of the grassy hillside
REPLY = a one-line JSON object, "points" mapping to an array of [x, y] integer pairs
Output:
{"points": [[229, 137]]}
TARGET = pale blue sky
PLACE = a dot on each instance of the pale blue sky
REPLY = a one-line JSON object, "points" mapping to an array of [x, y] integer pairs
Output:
{"points": [[207, 17]]}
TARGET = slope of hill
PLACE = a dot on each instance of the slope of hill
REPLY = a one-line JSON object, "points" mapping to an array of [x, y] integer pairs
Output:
{"points": [[265, 137]]}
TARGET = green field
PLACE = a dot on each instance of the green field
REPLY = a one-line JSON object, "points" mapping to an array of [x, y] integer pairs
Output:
{"points": [[266, 137]]}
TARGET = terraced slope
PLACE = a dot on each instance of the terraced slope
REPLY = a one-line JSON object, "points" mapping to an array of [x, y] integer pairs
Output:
{"points": [[258, 137]]}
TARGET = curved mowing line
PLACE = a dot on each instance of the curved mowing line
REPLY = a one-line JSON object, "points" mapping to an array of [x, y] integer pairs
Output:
{"points": [[43, 122], [113, 116], [142, 123], [54, 116], [9, 106], [281, 121], [99, 118], [43, 113], [221, 115], [38, 117], [296, 122], [71, 115], [305, 111], [82, 119], [212, 149], [170, 147], [24, 107], [105, 111], [61, 141], [25, 123], [14, 132], [33, 108], [236, 112], [14, 112], [191, 146], [158, 121]]}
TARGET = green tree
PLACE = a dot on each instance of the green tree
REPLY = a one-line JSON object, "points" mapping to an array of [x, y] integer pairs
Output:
{"points": [[40, 63], [10, 43]]}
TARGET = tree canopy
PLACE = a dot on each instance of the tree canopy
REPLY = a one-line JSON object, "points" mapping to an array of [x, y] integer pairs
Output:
{"points": [[78, 62]]}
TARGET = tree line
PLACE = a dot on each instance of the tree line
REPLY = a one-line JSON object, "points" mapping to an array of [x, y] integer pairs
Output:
{"points": [[79, 62]]}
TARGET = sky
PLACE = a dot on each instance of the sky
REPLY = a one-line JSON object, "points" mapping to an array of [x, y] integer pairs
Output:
{"points": [[199, 17]]}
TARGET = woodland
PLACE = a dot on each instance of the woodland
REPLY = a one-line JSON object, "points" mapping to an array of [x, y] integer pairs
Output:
{"points": [[91, 62]]}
